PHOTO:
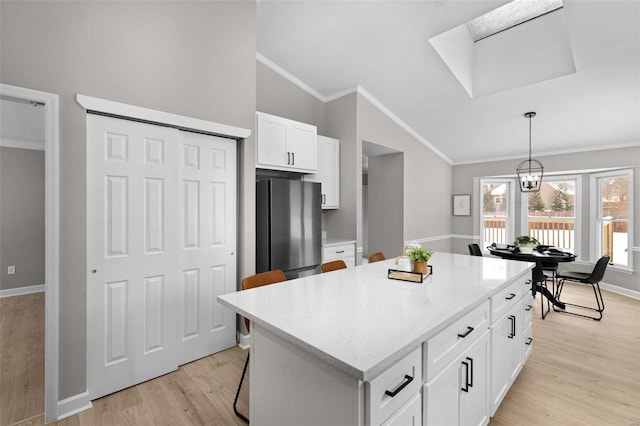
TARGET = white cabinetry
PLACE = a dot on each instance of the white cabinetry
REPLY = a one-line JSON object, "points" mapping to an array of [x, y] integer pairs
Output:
{"points": [[457, 396], [508, 327], [335, 249], [284, 144], [328, 171]]}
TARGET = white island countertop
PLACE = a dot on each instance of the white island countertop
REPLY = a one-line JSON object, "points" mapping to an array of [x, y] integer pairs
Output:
{"points": [[361, 322]]}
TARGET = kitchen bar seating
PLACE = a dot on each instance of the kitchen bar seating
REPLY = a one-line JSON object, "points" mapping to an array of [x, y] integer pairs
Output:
{"points": [[376, 257], [592, 279], [334, 265], [474, 250], [257, 280]]}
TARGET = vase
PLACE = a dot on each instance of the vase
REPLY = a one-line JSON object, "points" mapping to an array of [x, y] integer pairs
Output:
{"points": [[526, 248], [420, 267]]}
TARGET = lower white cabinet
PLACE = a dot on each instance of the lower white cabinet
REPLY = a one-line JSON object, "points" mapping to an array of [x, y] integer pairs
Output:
{"points": [[334, 249], [457, 396], [409, 415], [507, 347]]}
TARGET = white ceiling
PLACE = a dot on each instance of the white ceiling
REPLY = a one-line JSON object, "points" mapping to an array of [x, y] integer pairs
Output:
{"points": [[383, 47]]}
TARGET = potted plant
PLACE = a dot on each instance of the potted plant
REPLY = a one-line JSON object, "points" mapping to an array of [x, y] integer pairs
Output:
{"points": [[525, 243], [420, 257]]}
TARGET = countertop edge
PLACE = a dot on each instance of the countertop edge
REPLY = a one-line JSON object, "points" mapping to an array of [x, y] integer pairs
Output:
{"points": [[375, 370]]}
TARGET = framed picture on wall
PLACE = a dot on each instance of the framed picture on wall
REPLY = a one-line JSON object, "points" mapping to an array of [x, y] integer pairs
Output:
{"points": [[462, 204]]}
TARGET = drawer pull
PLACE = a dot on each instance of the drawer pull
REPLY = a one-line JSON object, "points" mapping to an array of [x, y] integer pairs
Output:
{"points": [[407, 379], [529, 340], [339, 251], [512, 333], [510, 296], [528, 308], [466, 333]]}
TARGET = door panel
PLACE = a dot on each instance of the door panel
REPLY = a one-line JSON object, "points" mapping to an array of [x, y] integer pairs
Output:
{"points": [[131, 253], [207, 243]]}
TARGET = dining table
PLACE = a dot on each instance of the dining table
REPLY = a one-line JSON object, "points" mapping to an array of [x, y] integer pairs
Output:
{"points": [[548, 256]]}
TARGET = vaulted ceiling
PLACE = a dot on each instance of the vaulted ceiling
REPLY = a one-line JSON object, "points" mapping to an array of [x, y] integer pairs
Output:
{"points": [[470, 108]]}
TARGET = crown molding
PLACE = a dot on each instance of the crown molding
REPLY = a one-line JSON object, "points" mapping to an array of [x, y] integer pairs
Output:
{"points": [[22, 144], [549, 153], [401, 123], [293, 79], [361, 91]]}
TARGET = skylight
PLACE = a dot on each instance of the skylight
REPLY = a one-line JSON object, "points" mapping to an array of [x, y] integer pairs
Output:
{"points": [[509, 15]]}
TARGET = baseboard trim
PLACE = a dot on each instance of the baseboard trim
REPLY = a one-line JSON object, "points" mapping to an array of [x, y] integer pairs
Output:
{"points": [[73, 405], [244, 340], [19, 291], [621, 290]]}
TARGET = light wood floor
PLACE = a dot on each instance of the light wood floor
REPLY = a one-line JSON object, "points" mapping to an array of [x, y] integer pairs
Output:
{"points": [[581, 372]]}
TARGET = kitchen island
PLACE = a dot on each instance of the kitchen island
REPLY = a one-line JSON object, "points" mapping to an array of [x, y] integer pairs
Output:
{"points": [[352, 347]]}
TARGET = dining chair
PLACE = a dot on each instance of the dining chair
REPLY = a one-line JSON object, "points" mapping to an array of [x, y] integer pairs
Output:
{"points": [[592, 278], [334, 265], [539, 284], [376, 257], [474, 250], [257, 280]]}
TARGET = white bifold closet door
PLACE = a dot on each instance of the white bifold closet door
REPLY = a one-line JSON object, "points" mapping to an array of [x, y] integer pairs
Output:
{"points": [[161, 238]]}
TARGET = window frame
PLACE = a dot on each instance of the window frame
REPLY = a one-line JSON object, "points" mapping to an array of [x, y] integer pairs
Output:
{"points": [[510, 211], [595, 237], [577, 225]]}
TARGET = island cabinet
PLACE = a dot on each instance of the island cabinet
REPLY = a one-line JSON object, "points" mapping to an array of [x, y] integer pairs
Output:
{"points": [[328, 174], [351, 347], [283, 144], [509, 324]]}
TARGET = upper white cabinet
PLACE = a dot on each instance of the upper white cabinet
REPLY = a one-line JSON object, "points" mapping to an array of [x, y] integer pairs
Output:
{"points": [[284, 144], [328, 171]]}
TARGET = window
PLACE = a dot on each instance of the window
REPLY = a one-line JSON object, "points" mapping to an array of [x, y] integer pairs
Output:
{"points": [[508, 16], [612, 229], [551, 216], [497, 224]]}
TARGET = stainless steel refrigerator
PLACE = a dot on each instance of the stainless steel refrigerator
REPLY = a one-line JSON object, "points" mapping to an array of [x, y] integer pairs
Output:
{"points": [[288, 234]]}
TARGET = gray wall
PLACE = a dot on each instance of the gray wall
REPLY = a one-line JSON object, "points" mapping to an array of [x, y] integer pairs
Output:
{"points": [[22, 218], [386, 205], [427, 177], [191, 58], [341, 122], [463, 183], [278, 96]]}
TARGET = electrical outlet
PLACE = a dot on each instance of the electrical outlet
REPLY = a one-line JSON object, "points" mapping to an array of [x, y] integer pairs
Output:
{"points": [[11, 270]]}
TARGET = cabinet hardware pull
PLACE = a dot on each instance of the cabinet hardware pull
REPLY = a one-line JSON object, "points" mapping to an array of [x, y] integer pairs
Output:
{"points": [[466, 333], [528, 308], [293, 158], [512, 334], [466, 377], [510, 296], [324, 199], [339, 251], [529, 340], [407, 379], [288, 158], [470, 374]]}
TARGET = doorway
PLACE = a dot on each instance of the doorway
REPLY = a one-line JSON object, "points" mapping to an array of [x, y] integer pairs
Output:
{"points": [[382, 200], [49, 103]]}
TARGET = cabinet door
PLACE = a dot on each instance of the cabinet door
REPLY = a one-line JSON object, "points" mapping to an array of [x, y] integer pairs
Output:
{"points": [[506, 353], [441, 397], [271, 146], [329, 169], [302, 146], [409, 415], [474, 402]]}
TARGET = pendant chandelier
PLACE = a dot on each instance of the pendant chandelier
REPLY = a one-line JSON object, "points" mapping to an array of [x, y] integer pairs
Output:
{"points": [[530, 171]]}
